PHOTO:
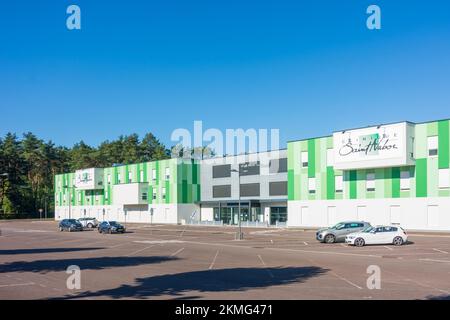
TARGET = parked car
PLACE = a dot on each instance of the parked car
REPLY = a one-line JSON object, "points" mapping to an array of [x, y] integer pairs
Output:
{"points": [[70, 225], [338, 232], [378, 235], [89, 222], [111, 227]]}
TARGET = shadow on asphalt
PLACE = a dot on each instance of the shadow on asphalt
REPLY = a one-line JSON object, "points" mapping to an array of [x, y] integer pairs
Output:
{"points": [[232, 280], [44, 250], [97, 263], [442, 297]]}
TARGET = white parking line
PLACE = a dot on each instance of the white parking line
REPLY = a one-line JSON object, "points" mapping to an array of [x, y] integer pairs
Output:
{"points": [[175, 253], [305, 243], [441, 251], [346, 280], [17, 285], [214, 260], [133, 253], [388, 248], [433, 260], [265, 266]]}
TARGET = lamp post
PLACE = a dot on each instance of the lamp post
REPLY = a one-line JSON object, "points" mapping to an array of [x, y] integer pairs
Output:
{"points": [[240, 235]]}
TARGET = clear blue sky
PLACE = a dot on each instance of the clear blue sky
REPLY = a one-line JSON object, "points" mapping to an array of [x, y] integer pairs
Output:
{"points": [[305, 67]]}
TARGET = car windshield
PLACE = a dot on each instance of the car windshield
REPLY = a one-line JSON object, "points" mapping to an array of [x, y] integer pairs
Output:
{"points": [[72, 221], [368, 229], [338, 226], [113, 223]]}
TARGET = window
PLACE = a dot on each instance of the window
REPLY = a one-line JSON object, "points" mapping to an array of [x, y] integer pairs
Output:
{"points": [[278, 166], [222, 171], [433, 146], [278, 188], [167, 173], [96, 197], [249, 168], [222, 191], [339, 183], [164, 193], [144, 196], [118, 178], [154, 194], [370, 182], [106, 195], [330, 157], [312, 185], [108, 179], [304, 159], [154, 174], [141, 176], [130, 177], [79, 196], [444, 178], [249, 190], [405, 180]]}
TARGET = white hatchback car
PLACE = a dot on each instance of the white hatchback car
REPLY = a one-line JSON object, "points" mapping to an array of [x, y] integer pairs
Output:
{"points": [[378, 235]]}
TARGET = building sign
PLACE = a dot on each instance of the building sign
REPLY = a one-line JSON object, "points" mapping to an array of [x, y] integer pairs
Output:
{"points": [[89, 179], [374, 147]]}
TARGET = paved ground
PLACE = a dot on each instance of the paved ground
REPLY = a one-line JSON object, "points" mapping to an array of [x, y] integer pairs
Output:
{"points": [[176, 262]]}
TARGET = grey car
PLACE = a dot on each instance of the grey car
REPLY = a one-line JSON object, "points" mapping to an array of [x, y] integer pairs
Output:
{"points": [[338, 232]]}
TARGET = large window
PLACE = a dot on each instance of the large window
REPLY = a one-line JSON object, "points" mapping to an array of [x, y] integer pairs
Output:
{"points": [[339, 183], [278, 214], [250, 190], [304, 159], [278, 188], [312, 185], [278, 166], [370, 182], [222, 171], [405, 180], [223, 191], [249, 168]]}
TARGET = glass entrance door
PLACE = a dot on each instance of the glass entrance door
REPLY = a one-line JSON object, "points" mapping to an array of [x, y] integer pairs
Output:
{"points": [[278, 214]]}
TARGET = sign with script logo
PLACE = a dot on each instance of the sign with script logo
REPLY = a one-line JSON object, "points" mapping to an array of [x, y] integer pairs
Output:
{"points": [[373, 147]]}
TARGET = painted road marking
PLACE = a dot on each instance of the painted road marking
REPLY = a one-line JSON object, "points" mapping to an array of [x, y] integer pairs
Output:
{"points": [[305, 243], [133, 253], [214, 260], [441, 251], [346, 280], [265, 266], [388, 248], [175, 253], [433, 260], [159, 241], [17, 285]]}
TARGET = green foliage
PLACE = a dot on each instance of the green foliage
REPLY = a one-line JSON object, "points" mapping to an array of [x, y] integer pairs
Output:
{"points": [[28, 166]]}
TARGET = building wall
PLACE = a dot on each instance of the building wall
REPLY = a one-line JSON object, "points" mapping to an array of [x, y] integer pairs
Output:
{"points": [[424, 184], [182, 187]]}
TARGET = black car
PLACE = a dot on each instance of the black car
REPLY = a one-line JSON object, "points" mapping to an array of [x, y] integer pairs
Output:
{"points": [[111, 227], [70, 225]]}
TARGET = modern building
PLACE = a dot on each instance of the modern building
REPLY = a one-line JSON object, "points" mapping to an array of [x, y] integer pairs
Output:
{"points": [[396, 173]]}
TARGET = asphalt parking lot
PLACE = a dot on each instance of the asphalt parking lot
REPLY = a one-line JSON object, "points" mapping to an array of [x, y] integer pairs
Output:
{"points": [[178, 262]]}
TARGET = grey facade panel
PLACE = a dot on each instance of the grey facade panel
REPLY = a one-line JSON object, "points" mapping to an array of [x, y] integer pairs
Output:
{"points": [[278, 188], [250, 190], [221, 171], [278, 165], [222, 191]]}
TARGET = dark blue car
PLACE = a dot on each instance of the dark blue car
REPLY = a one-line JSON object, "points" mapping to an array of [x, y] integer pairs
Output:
{"points": [[70, 225], [111, 227]]}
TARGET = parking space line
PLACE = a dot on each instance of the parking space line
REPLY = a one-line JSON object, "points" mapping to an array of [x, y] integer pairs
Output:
{"points": [[177, 252], [305, 243], [214, 261], [265, 266], [434, 260], [388, 248], [17, 285], [133, 253], [441, 251], [346, 280]]}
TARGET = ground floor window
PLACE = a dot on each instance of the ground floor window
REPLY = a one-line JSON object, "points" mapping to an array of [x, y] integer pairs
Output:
{"points": [[229, 214], [278, 214]]}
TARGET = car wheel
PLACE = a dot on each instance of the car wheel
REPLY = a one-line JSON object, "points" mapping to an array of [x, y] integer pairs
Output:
{"points": [[359, 242], [398, 241], [90, 226], [329, 238], [70, 229], [110, 231], [61, 229]]}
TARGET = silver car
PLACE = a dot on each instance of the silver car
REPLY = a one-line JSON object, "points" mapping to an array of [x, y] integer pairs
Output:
{"points": [[338, 232], [89, 222]]}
